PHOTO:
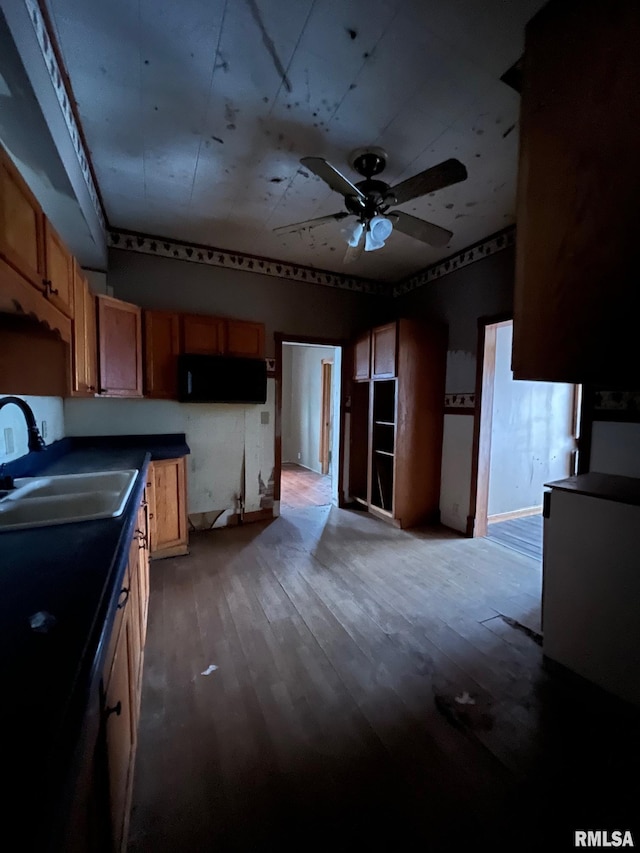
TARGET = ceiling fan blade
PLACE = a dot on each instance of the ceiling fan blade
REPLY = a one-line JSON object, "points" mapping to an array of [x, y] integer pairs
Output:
{"points": [[310, 223], [422, 230], [354, 252], [443, 175], [331, 176]]}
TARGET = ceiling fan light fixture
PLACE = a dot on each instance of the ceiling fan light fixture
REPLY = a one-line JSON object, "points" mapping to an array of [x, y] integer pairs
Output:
{"points": [[379, 229], [353, 233]]}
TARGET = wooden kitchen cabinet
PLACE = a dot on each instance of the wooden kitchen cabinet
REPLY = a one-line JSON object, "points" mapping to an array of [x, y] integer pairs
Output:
{"points": [[59, 271], [202, 334], [167, 497], [383, 352], [119, 348], [578, 199], [244, 339], [161, 350], [118, 723], [84, 379], [22, 225], [362, 357], [396, 426], [122, 683]]}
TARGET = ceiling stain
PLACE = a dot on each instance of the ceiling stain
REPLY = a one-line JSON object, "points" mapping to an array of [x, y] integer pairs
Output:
{"points": [[276, 180], [268, 43], [353, 34], [217, 139], [448, 206], [508, 131]]}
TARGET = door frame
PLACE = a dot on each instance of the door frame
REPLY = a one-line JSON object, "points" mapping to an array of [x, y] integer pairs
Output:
{"points": [[280, 338], [482, 423], [324, 450], [477, 520]]}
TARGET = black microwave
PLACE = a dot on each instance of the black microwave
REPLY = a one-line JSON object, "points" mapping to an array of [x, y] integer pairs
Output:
{"points": [[221, 379]]}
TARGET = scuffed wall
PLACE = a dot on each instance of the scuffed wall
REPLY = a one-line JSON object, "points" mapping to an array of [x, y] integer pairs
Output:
{"points": [[231, 448], [459, 299]]}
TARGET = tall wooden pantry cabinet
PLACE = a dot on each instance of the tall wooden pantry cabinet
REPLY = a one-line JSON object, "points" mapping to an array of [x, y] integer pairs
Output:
{"points": [[397, 403]]}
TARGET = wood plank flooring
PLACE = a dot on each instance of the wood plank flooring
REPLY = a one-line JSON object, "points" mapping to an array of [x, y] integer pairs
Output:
{"points": [[369, 695], [520, 534], [301, 488]]}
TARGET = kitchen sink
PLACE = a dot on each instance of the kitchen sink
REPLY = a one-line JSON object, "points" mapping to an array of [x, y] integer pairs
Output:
{"points": [[43, 501]]}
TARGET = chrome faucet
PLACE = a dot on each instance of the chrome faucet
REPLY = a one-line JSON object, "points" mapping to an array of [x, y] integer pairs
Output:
{"points": [[35, 440]]}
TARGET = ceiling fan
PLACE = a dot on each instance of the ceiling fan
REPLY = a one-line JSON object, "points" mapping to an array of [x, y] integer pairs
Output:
{"points": [[369, 201]]}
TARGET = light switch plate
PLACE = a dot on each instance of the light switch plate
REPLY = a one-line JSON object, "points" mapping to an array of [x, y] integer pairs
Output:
{"points": [[264, 417]]}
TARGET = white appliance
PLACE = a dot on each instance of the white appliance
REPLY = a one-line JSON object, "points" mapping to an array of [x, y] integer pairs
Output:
{"points": [[591, 580]]}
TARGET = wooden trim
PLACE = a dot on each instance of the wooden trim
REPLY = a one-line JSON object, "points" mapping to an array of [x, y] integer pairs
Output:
{"points": [[171, 551], [586, 430], [280, 338], [71, 99], [17, 296], [483, 416], [515, 513], [264, 514]]}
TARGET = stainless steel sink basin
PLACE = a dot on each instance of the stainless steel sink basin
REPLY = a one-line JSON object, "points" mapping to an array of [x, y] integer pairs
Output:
{"points": [[42, 501]]}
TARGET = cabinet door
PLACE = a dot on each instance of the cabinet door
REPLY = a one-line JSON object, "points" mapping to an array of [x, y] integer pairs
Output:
{"points": [[578, 203], [135, 639], [383, 356], [21, 225], [362, 357], [245, 339], [84, 338], [168, 508], [161, 349], [203, 335], [120, 348], [118, 737], [142, 531], [58, 271]]}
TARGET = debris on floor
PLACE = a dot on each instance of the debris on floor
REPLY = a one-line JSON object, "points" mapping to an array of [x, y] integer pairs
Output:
{"points": [[465, 715], [513, 623], [211, 668]]}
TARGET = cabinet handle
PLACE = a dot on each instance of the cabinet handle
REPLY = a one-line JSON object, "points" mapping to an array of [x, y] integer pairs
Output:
{"points": [[124, 591], [49, 286], [91, 387], [150, 515], [117, 710], [102, 390]]}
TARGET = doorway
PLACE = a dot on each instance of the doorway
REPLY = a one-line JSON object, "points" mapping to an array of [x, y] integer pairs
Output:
{"points": [[309, 424], [526, 436]]}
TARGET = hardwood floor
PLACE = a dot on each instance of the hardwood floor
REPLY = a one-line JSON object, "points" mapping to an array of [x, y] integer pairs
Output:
{"points": [[519, 534], [301, 487], [375, 689]]}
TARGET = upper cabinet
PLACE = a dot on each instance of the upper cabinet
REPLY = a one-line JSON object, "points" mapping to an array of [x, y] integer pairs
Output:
{"points": [[578, 197], [383, 352], [84, 381], [119, 347], [161, 350], [21, 225], [244, 339], [59, 272], [202, 334], [362, 357]]}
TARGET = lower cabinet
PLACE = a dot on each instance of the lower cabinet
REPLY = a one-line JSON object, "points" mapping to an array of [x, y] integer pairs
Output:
{"points": [[121, 684], [167, 496]]}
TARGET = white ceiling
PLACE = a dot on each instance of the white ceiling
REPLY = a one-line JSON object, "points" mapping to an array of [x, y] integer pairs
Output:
{"points": [[197, 113]]}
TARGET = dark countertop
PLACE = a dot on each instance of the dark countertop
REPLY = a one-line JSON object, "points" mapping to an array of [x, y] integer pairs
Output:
{"points": [[610, 487], [74, 572]]}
